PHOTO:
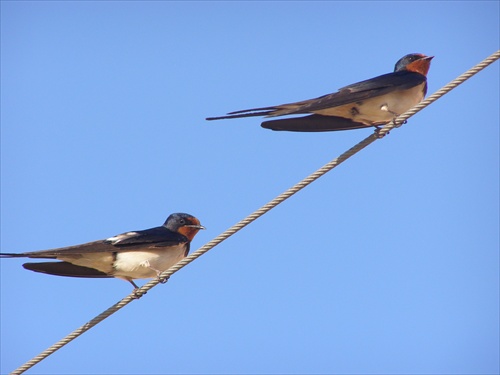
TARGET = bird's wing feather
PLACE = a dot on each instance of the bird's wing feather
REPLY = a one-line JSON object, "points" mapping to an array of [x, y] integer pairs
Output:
{"points": [[356, 92], [159, 236], [140, 240], [313, 123]]}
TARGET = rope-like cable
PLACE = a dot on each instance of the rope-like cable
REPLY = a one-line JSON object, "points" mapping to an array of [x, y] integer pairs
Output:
{"points": [[261, 211]]}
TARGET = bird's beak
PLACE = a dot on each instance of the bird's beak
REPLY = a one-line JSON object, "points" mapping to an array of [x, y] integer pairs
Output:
{"points": [[195, 226], [428, 58]]}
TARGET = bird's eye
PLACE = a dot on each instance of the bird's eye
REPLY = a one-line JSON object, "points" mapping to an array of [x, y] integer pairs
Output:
{"points": [[182, 221]]}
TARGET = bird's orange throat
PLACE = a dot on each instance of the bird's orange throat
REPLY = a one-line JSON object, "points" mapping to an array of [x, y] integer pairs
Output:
{"points": [[419, 66]]}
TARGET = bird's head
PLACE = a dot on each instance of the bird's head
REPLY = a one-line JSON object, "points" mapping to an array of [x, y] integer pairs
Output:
{"points": [[185, 224], [414, 62]]}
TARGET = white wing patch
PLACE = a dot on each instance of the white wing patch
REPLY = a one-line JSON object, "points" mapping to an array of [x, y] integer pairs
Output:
{"points": [[120, 237]]}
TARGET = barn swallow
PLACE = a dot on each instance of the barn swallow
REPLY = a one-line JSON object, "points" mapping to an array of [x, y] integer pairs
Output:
{"points": [[132, 255], [373, 102]]}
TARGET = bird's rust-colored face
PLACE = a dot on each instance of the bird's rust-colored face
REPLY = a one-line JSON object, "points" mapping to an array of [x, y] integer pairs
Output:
{"points": [[421, 65], [191, 227]]}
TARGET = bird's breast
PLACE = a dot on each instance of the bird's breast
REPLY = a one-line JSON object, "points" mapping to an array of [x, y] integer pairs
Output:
{"points": [[141, 264]]}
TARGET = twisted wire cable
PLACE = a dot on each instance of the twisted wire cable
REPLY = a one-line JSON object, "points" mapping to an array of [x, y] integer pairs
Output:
{"points": [[378, 134]]}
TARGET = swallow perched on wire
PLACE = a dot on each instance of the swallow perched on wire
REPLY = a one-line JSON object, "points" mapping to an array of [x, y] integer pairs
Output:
{"points": [[132, 255], [373, 102]]}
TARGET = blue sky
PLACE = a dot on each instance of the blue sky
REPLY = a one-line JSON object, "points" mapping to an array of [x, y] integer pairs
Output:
{"points": [[388, 264]]}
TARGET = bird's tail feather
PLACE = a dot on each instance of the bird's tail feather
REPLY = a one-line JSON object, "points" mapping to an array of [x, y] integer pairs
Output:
{"points": [[65, 269], [264, 111], [11, 255]]}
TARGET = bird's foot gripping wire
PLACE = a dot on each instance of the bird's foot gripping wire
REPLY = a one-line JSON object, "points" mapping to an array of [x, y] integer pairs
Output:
{"points": [[378, 132], [137, 295], [163, 280], [399, 124]]}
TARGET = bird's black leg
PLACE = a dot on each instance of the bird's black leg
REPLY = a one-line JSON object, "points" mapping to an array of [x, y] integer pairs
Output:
{"points": [[137, 295], [133, 284]]}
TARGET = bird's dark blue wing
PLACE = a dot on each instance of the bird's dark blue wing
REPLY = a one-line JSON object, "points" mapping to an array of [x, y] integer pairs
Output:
{"points": [[355, 93], [159, 236], [358, 92], [313, 123], [137, 240]]}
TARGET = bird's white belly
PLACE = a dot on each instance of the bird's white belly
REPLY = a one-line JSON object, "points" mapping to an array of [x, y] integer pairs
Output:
{"points": [[378, 110], [146, 264]]}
